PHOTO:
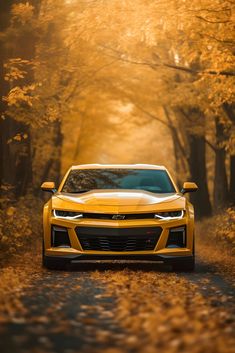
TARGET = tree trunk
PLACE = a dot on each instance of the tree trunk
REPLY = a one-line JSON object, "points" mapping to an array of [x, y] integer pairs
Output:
{"points": [[232, 180], [15, 161], [220, 179], [230, 112], [8, 127], [58, 138], [197, 167], [16, 169], [47, 155], [195, 152]]}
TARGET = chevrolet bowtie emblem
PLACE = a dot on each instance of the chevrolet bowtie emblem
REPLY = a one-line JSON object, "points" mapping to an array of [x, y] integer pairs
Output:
{"points": [[118, 216]]}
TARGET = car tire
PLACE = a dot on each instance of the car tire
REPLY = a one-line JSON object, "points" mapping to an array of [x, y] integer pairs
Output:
{"points": [[188, 266], [43, 254], [53, 263]]}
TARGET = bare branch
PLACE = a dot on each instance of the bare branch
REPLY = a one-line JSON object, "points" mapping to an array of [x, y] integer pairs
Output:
{"points": [[210, 145], [224, 41], [220, 10], [209, 21], [154, 65], [91, 76], [152, 115]]}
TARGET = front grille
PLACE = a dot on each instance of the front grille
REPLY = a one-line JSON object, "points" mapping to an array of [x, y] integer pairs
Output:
{"points": [[118, 239], [119, 216]]}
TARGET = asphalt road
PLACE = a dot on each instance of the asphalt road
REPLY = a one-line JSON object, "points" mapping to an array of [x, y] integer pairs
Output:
{"points": [[117, 308]]}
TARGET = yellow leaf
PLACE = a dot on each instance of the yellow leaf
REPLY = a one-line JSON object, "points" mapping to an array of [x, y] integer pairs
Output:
{"points": [[17, 137]]}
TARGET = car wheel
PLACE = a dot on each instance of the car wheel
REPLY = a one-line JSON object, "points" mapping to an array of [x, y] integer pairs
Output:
{"points": [[43, 254], [53, 263], [188, 266]]}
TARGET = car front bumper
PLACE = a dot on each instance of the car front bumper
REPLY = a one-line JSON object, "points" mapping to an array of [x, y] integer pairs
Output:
{"points": [[86, 258], [161, 251]]}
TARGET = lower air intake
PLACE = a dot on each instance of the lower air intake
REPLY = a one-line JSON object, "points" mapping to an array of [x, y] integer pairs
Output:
{"points": [[118, 239], [177, 238], [60, 237]]}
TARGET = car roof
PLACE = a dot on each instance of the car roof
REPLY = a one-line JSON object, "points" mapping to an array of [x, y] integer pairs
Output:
{"points": [[118, 166]]}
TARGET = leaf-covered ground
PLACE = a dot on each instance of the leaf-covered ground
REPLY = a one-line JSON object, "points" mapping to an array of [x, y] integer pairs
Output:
{"points": [[118, 308]]}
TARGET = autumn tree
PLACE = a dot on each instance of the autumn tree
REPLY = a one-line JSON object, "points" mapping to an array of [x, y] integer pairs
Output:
{"points": [[40, 78], [170, 62], [179, 43]]}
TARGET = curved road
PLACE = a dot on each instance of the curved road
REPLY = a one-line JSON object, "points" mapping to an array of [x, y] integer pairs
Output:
{"points": [[116, 308]]}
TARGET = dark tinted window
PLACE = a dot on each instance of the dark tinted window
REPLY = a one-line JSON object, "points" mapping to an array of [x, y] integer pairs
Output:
{"points": [[82, 180]]}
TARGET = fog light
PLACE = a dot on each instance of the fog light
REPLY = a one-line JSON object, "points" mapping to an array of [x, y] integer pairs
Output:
{"points": [[177, 238], [60, 237]]}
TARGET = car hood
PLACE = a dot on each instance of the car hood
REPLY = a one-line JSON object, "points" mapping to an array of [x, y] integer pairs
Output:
{"points": [[120, 200]]}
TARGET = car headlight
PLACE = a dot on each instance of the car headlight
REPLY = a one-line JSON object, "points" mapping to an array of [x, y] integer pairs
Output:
{"points": [[169, 215], [67, 214]]}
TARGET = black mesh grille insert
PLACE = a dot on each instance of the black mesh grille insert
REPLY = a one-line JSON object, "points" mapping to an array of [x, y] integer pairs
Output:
{"points": [[60, 237], [120, 216], [177, 237], [118, 239]]}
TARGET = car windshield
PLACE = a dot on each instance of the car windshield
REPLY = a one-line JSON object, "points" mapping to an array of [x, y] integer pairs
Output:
{"points": [[156, 181]]}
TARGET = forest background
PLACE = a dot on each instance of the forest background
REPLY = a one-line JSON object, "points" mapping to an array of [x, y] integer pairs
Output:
{"points": [[115, 81]]}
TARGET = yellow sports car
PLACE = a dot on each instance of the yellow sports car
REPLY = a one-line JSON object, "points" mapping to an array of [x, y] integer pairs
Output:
{"points": [[128, 212]]}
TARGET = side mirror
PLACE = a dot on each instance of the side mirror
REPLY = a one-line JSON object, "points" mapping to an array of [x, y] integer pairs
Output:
{"points": [[48, 186], [189, 187]]}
